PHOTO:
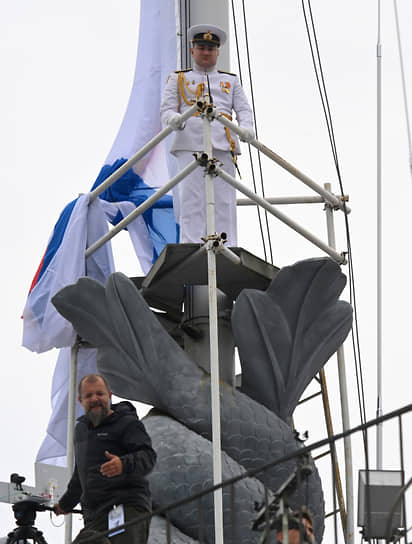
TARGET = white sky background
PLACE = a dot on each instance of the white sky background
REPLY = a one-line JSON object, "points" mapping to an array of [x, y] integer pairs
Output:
{"points": [[67, 70]]}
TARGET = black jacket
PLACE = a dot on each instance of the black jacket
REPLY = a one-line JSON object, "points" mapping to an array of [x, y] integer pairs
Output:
{"points": [[122, 434]]}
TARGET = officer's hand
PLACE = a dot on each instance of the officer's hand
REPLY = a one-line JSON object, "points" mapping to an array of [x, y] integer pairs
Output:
{"points": [[175, 122], [113, 467], [248, 135], [58, 510]]}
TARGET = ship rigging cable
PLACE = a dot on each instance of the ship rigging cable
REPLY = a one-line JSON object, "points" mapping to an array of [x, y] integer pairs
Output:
{"points": [[328, 117], [405, 96], [254, 118], [314, 48]]}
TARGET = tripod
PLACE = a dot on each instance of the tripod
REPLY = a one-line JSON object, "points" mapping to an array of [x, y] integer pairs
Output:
{"points": [[26, 532]]}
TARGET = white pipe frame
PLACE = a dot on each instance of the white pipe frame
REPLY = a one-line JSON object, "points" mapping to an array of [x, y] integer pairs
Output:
{"points": [[142, 208], [286, 200], [139, 155], [71, 416], [339, 258], [213, 330], [328, 197]]}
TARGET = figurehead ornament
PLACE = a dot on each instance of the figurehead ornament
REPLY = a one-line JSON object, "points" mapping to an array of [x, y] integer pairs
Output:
{"points": [[206, 34]]}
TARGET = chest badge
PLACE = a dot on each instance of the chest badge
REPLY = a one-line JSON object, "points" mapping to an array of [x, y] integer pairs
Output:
{"points": [[225, 86]]}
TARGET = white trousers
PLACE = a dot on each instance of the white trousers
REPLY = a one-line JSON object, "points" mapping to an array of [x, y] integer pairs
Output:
{"points": [[189, 200]]}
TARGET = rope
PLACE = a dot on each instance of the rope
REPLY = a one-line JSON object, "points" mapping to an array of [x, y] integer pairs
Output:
{"points": [[250, 151], [232, 143], [183, 86], [255, 121], [314, 48]]}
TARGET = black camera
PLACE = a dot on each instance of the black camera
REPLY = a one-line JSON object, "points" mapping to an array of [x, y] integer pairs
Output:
{"points": [[17, 479]]}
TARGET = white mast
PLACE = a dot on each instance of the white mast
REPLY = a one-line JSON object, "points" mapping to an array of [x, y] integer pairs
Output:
{"points": [[379, 411], [213, 12]]}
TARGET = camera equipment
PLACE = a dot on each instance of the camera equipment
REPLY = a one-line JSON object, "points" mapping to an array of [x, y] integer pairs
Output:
{"points": [[25, 514], [18, 480], [269, 513]]}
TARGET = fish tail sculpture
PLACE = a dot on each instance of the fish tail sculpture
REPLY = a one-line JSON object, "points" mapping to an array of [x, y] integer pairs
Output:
{"points": [[142, 362]]}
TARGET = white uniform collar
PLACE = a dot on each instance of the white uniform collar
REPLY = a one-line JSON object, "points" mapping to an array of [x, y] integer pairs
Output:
{"points": [[203, 70]]}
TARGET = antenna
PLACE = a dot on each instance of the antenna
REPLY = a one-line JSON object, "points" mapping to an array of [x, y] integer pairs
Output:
{"points": [[379, 411]]}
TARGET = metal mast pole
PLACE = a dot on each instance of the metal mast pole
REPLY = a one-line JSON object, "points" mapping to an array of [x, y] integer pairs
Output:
{"points": [[343, 388], [379, 411], [214, 12], [70, 429], [213, 334]]}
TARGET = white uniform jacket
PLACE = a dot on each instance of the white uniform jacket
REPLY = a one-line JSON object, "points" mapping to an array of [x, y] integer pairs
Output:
{"points": [[227, 95]]}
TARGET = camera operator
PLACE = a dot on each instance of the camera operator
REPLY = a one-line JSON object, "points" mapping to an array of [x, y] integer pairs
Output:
{"points": [[113, 455], [300, 527]]}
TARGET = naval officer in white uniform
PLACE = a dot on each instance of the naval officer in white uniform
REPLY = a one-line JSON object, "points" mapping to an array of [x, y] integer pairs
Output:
{"points": [[183, 88]]}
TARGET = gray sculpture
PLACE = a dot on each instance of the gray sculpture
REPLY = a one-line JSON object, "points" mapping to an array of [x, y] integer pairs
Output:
{"points": [[293, 329], [186, 458], [158, 533], [292, 343]]}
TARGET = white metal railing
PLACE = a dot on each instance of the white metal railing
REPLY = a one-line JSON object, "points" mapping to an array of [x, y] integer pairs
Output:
{"points": [[338, 257], [137, 156], [325, 195], [142, 208]]}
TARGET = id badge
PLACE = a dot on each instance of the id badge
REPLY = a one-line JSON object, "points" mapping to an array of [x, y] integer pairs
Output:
{"points": [[116, 518]]}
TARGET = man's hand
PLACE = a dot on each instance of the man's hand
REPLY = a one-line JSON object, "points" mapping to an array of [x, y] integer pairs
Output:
{"points": [[175, 122], [58, 510], [248, 135], [113, 467]]}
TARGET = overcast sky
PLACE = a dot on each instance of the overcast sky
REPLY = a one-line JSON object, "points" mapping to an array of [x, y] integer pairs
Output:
{"points": [[67, 70]]}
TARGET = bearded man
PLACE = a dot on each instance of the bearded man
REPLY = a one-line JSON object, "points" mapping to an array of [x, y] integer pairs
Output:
{"points": [[113, 455]]}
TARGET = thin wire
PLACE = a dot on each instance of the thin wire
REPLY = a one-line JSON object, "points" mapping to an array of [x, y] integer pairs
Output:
{"points": [[402, 466], [405, 96], [188, 20], [254, 117], [57, 525], [250, 151], [335, 518], [326, 108]]}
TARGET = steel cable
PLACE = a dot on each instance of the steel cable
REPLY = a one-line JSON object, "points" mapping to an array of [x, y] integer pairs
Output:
{"points": [[314, 48]]}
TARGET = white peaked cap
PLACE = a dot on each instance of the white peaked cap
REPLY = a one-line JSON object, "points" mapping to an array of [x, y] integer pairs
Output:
{"points": [[207, 33]]}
